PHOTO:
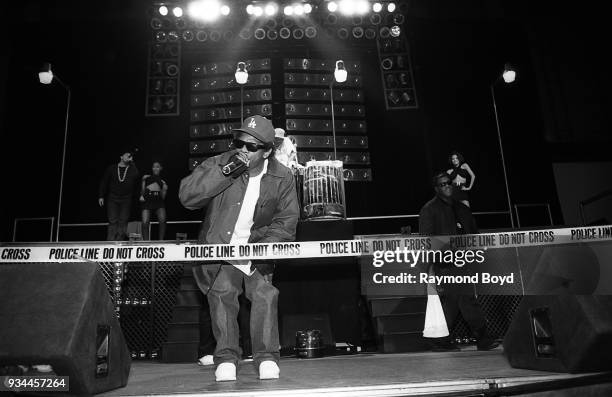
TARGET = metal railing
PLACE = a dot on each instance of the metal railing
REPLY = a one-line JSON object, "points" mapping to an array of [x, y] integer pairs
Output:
{"points": [[45, 218], [185, 222], [532, 205], [597, 197]]}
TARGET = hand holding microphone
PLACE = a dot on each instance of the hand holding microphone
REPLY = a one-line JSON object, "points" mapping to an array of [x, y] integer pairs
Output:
{"points": [[238, 163]]}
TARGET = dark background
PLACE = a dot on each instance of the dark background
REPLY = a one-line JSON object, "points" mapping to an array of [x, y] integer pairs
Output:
{"points": [[557, 111]]}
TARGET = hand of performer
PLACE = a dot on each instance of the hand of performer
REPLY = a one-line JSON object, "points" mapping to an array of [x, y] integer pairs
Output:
{"points": [[243, 156], [268, 278], [101, 202]]}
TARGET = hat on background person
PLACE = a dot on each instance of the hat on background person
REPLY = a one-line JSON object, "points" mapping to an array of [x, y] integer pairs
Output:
{"points": [[279, 137], [258, 127]]}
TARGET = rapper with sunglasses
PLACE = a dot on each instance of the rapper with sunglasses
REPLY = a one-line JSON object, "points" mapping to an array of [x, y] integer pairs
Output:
{"points": [[445, 215], [249, 198]]}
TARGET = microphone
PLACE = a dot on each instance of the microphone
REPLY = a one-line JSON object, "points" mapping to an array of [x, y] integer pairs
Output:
{"points": [[235, 165]]}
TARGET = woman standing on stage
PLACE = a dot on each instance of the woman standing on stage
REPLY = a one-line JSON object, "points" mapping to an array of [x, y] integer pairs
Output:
{"points": [[152, 196], [462, 177]]}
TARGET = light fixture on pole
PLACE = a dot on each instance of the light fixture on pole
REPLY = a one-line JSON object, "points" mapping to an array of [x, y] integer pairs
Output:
{"points": [[241, 76], [508, 75], [340, 75], [46, 76]]}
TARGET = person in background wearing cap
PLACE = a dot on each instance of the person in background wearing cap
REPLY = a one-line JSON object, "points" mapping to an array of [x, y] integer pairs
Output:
{"points": [[116, 191], [285, 150], [254, 202]]}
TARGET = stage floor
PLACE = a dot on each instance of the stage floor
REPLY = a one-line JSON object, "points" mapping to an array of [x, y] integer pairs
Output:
{"points": [[468, 372]]}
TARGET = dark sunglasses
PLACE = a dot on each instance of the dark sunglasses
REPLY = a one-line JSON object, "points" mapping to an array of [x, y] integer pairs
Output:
{"points": [[251, 147], [442, 184]]}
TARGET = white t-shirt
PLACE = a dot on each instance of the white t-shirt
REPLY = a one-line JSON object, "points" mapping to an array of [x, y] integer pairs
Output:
{"points": [[242, 229]]}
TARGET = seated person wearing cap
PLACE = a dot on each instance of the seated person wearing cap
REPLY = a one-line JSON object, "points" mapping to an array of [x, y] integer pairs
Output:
{"points": [[255, 203]]}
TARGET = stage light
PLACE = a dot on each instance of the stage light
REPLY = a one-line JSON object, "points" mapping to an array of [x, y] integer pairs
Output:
{"points": [[241, 74], [172, 69], [288, 10], [384, 32], [173, 36], [272, 34], [391, 7], [206, 10], [257, 11], [188, 35], [284, 33], [298, 9], [298, 34], [271, 23], [377, 7], [311, 32], [160, 36], [362, 7], [370, 33], [215, 35], [375, 19], [163, 11], [358, 32], [395, 31], [343, 33], [45, 75], [271, 9], [340, 73], [398, 19], [509, 74], [307, 8], [201, 35], [225, 10], [386, 63], [332, 6], [260, 34], [249, 9], [287, 22], [156, 23], [177, 11], [245, 34], [347, 7]]}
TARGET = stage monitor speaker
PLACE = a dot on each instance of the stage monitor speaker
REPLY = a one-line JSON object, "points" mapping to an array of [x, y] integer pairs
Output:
{"points": [[562, 333], [61, 314]]}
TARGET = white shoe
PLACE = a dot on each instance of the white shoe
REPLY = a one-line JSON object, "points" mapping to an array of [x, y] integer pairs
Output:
{"points": [[268, 370], [225, 372], [206, 360]]}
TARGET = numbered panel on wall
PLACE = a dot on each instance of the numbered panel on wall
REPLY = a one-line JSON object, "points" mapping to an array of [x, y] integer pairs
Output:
{"points": [[309, 90], [163, 79], [217, 103]]}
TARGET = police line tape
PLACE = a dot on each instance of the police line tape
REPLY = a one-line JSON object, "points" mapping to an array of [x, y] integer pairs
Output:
{"points": [[361, 246]]}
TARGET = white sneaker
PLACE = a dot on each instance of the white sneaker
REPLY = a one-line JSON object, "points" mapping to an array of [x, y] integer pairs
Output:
{"points": [[225, 372], [268, 370], [206, 360]]}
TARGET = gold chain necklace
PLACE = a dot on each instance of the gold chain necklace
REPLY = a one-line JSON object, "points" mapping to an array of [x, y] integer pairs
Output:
{"points": [[124, 173]]}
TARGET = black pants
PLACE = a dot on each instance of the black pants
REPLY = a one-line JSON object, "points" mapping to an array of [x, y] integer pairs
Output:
{"points": [[470, 310], [118, 212]]}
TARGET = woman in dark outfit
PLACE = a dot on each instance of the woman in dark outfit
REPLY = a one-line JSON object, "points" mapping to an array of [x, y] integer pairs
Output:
{"points": [[153, 194], [462, 177]]}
